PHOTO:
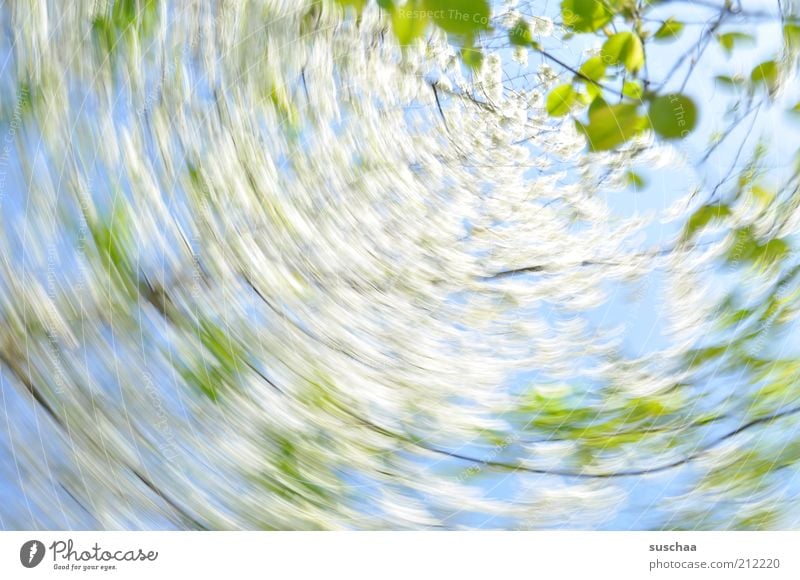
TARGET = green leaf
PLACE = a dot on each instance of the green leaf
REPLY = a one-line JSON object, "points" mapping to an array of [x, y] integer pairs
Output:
{"points": [[772, 252], [105, 35], [700, 356], [560, 100], [127, 18], [202, 380], [472, 57], [730, 317], [633, 90], [284, 107], [624, 48], [357, 5], [520, 34], [220, 344], [669, 30], [791, 36], [673, 116], [744, 246], [459, 17], [611, 125], [766, 73], [585, 15], [762, 519], [114, 241], [735, 81], [594, 69], [764, 197], [635, 180], [729, 40], [584, 98], [408, 23], [703, 217]]}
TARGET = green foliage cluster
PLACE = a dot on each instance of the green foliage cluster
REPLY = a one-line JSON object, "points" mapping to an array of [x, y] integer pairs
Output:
{"points": [[611, 101], [127, 18]]}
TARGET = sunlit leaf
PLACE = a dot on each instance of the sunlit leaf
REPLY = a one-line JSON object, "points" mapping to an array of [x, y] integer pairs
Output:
{"points": [[764, 197], [472, 57], [766, 74], [771, 252], [560, 100], [408, 23], [699, 357], [730, 40], [703, 217], [594, 68], [585, 15], [611, 125], [744, 246], [791, 36], [356, 5], [592, 73], [459, 17], [635, 180], [735, 81], [633, 90]]}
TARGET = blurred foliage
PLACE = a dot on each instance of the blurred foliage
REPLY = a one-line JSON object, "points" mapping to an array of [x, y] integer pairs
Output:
{"points": [[620, 70], [320, 318]]}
